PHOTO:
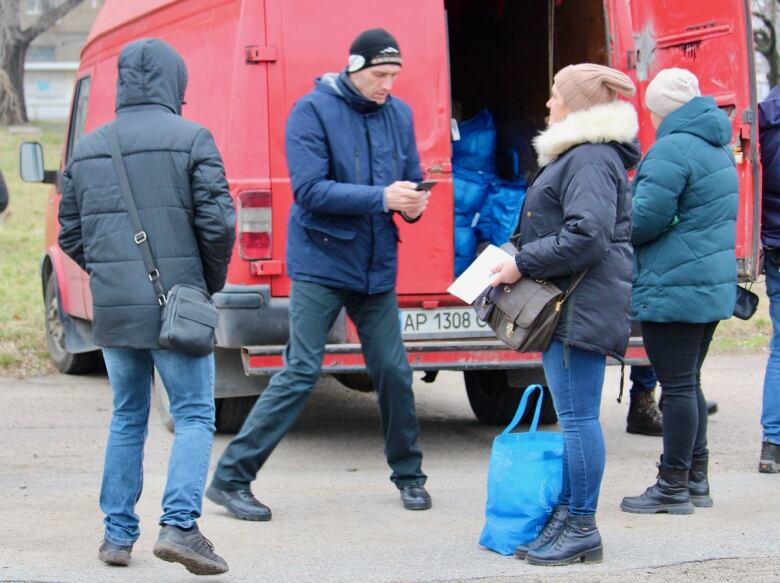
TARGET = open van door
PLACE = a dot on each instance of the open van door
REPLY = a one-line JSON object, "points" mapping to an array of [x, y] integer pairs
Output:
{"points": [[714, 40]]}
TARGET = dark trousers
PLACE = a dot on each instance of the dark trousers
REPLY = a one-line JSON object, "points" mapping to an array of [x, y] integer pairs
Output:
{"points": [[642, 378], [677, 351], [313, 310]]}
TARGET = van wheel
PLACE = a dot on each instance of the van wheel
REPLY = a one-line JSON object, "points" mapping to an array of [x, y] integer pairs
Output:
{"points": [[231, 413], [67, 362], [494, 402], [356, 381]]}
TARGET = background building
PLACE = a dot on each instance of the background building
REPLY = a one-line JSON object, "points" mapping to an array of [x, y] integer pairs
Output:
{"points": [[53, 59]]}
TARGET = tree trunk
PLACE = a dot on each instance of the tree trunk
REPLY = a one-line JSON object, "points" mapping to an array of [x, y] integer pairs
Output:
{"points": [[14, 42]]}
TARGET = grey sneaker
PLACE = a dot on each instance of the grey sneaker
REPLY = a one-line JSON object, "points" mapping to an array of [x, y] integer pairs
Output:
{"points": [[770, 458], [115, 555], [190, 548]]}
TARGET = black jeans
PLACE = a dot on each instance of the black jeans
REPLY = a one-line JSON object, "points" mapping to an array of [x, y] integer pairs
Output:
{"points": [[677, 351]]}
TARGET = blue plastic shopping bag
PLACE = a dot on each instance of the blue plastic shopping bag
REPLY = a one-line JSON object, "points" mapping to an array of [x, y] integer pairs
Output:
{"points": [[524, 482]]}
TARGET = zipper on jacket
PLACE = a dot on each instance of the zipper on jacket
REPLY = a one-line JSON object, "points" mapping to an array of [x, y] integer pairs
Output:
{"points": [[357, 166]]}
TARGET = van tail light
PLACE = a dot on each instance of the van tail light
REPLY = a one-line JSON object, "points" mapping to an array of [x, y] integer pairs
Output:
{"points": [[254, 224]]}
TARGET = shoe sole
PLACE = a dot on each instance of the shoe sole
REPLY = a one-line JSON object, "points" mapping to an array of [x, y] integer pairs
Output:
{"points": [[704, 501], [115, 559], [590, 556], [768, 467], [217, 499], [418, 506], [661, 509], [194, 563]]}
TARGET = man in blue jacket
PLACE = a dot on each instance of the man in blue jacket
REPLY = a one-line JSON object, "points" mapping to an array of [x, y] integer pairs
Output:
{"points": [[353, 165], [769, 119]]}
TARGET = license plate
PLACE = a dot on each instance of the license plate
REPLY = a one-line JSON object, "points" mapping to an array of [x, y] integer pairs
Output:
{"points": [[442, 323]]}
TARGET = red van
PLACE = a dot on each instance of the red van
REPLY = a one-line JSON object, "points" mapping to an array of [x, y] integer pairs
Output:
{"points": [[249, 60]]}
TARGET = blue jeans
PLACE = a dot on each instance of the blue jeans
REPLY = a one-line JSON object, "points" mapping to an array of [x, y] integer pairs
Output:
{"points": [[575, 378], [189, 382], [642, 378], [313, 310], [770, 414]]}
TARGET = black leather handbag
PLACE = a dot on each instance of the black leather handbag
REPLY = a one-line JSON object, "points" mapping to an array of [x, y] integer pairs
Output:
{"points": [[525, 314], [189, 317], [746, 305]]}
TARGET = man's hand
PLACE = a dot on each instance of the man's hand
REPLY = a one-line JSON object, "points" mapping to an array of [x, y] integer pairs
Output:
{"points": [[506, 272], [401, 196]]}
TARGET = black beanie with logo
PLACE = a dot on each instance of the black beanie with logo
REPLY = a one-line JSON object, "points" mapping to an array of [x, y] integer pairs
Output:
{"points": [[373, 47]]}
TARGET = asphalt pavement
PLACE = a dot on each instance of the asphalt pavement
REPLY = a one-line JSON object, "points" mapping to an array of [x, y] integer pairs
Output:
{"points": [[338, 519]]}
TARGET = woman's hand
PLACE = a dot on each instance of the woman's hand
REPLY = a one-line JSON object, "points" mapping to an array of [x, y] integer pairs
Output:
{"points": [[506, 272]]}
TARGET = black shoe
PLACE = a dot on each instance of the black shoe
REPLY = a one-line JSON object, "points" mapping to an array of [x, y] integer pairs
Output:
{"points": [[190, 548], [698, 484], [770, 458], [549, 533], [644, 417], [416, 498], [579, 541], [669, 494], [712, 407], [115, 555], [240, 503]]}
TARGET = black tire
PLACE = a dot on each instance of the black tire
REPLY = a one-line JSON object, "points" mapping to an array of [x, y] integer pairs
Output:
{"points": [[67, 362], [356, 381], [232, 412], [494, 402]]}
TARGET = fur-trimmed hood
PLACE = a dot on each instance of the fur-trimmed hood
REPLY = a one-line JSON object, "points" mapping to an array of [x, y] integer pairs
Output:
{"points": [[612, 122]]}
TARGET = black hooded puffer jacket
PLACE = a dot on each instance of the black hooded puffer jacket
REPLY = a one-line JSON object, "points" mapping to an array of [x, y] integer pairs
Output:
{"points": [[179, 187]]}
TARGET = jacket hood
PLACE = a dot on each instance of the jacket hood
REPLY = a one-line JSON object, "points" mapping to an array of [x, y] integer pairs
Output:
{"points": [[769, 110], [151, 72], [611, 122], [339, 84], [699, 117]]}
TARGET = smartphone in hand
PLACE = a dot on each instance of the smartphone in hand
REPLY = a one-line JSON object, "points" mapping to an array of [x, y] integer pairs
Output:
{"points": [[426, 185]]}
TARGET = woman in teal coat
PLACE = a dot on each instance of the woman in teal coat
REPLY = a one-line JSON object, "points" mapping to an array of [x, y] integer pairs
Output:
{"points": [[684, 213]]}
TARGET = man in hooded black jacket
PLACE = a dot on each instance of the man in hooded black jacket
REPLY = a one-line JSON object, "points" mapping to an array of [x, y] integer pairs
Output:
{"points": [[178, 183]]}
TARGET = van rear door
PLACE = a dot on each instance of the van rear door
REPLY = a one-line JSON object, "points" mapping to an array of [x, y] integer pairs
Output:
{"points": [[714, 40]]}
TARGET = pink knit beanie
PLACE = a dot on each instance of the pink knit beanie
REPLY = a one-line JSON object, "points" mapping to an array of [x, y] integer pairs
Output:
{"points": [[585, 85]]}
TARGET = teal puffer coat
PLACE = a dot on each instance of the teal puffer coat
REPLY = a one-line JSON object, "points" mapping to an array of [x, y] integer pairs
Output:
{"points": [[684, 214]]}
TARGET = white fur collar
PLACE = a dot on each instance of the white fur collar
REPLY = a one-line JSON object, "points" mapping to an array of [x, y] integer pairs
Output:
{"points": [[612, 122]]}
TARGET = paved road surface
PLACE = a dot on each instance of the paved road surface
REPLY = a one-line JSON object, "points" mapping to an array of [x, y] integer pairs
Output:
{"points": [[337, 519]]}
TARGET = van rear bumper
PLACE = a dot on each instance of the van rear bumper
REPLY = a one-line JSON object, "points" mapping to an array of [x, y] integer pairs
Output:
{"points": [[422, 355]]}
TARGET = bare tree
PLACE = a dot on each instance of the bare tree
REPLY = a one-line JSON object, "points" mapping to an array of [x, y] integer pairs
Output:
{"points": [[14, 42]]}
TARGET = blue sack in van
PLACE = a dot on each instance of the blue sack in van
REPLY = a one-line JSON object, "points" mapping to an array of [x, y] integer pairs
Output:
{"points": [[470, 189], [476, 148], [501, 211], [524, 482]]}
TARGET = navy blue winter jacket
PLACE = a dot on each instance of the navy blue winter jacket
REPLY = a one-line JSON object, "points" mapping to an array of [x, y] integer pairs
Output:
{"points": [[342, 151], [769, 133]]}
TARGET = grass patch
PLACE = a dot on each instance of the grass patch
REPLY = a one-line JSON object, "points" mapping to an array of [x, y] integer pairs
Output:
{"points": [[22, 340]]}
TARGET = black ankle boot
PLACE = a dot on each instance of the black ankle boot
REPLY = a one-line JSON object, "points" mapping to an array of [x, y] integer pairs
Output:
{"points": [[669, 494], [549, 533], [698, 484], [579, 541], [644, 417]]}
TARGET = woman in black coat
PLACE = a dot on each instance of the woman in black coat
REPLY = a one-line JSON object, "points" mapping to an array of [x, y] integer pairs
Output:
{"points": [[577, 217]]}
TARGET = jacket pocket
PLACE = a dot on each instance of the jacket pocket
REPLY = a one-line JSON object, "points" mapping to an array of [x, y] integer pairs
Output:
{"points": [[540, 224], [327, 226]]}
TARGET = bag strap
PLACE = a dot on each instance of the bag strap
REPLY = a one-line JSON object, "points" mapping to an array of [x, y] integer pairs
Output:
{"points": [[140, 238], [521, 409]]}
